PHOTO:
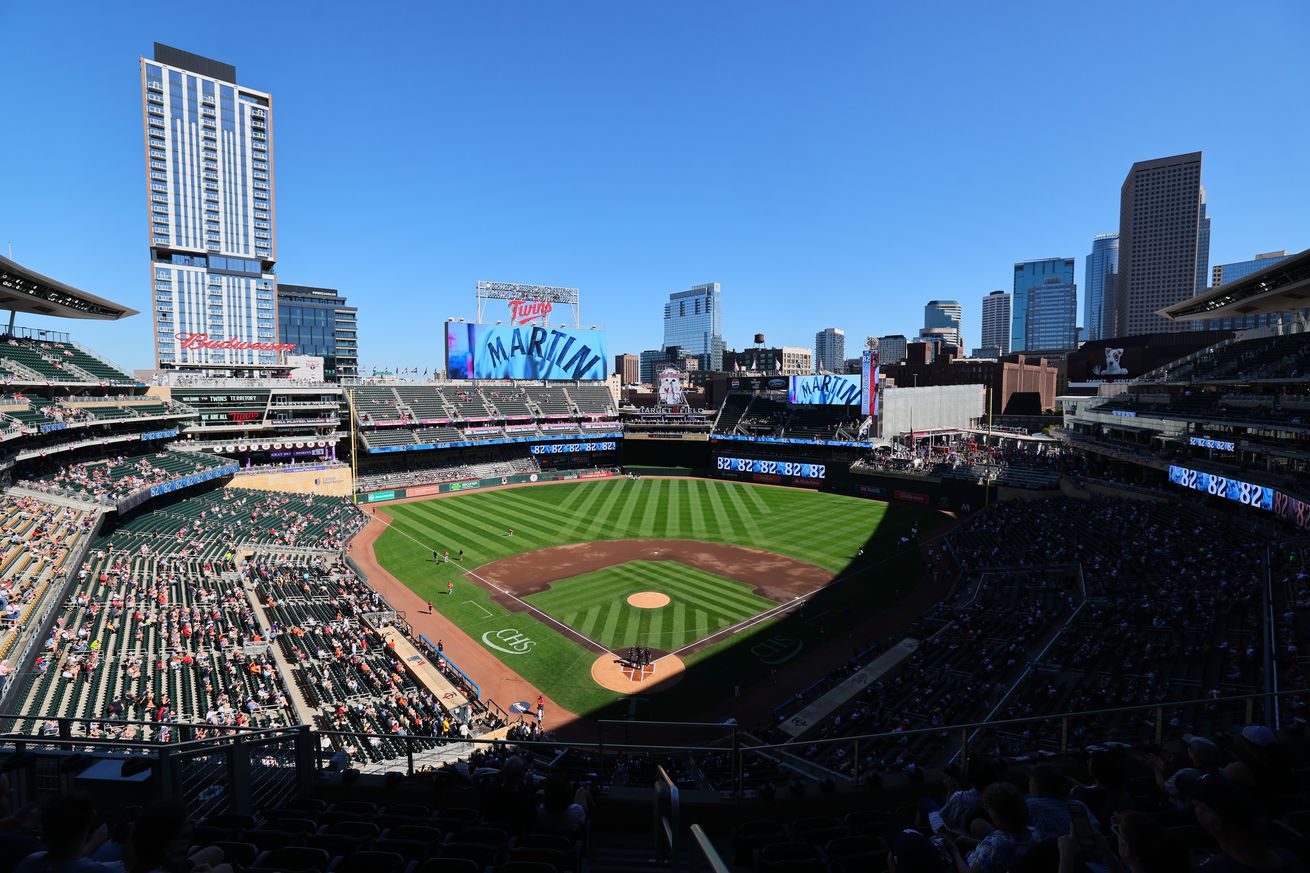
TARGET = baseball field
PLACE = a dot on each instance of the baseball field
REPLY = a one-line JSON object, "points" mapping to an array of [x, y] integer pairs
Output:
{"points": [[716, 579]]}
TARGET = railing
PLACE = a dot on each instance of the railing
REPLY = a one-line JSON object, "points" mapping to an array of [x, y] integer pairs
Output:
{"points": [[666, 813], [708, 853], [50, 336]]}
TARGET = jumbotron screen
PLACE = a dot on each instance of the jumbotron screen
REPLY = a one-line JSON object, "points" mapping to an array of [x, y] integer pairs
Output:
{"points": [[825, 390], [486, 351]]}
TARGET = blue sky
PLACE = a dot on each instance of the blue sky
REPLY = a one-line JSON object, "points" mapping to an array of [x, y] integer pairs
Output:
{"points": [[830, 164]]}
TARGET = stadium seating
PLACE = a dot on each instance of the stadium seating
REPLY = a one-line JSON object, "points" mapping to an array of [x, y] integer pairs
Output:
{"points": [[112, 479], [43, 361], [592, 399]]}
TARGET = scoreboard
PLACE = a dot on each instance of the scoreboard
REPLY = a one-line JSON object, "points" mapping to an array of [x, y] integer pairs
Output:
{"points": [[1260, 496], [774, 468]]}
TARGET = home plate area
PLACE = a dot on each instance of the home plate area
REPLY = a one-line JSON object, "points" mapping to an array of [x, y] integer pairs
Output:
{"points": [[617, 672]]}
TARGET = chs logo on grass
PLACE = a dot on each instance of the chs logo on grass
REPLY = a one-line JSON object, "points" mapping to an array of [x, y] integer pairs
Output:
{"points": [[524, 311], [514, 642]]}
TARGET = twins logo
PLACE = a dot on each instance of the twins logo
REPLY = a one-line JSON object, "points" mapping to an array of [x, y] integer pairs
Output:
{"points": [[523, 311], [514, 642]]}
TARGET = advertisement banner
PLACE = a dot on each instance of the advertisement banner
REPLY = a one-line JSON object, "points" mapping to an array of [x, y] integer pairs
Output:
{"points": [[306, 368], [911, 496], [869, 384], [825, 390], [485, 351]]}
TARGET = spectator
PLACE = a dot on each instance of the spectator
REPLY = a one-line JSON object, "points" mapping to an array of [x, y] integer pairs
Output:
{"points": [[159, 844], [562, 808], [1049, 803], [1007, 840], [1146, 846], [962, 804], [70, 832], [1227, 809], [1107, 794]]}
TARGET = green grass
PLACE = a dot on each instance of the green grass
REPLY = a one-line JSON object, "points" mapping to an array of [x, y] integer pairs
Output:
{"points": [[823, 529], [596, 604]]}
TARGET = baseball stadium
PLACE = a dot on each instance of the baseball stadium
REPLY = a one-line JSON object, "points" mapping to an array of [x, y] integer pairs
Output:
{"points": [[537, 608], [281, 597]]}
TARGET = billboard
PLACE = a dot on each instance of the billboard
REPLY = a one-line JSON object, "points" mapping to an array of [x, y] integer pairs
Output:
{"points": [[825, 390], [485, 351], [671, 393], [869, 387], [306, 368]]}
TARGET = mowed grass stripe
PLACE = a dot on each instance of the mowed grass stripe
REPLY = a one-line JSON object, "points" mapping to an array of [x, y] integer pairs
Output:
{"points": [[742, 512], [651, 505], [696, 500], [716, 594], [466, 531], [673, 507], [733, 521], [752, 494]]}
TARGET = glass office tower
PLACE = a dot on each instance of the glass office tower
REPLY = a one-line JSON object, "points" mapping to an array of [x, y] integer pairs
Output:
{"points": [[318, 322], [693, 321], [1044, 305], [1098, 281]]}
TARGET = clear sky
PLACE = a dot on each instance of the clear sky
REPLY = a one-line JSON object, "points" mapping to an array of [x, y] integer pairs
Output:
{"points": [[830, 164]]}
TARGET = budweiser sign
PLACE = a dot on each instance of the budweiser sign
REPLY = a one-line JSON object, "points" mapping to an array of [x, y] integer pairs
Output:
{"points": [[202, 341], [523, 311]]}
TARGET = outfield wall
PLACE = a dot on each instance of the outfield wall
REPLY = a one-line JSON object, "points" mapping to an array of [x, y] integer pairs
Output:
{"points": [[387, 495]]}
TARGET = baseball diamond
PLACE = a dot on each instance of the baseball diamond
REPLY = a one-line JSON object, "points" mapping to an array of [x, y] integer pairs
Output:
{"points": [[734, 560]]}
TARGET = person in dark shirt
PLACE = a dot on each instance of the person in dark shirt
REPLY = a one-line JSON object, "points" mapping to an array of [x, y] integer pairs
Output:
{"points": [[1231, 813]]}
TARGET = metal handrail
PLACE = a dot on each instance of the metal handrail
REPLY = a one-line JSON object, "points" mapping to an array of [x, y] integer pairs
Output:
{"points": [[666, 826], [707, 851]]}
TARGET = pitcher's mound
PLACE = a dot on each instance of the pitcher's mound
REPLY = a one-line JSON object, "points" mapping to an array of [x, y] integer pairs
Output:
{"points": [[609, 672], [648, 600]]}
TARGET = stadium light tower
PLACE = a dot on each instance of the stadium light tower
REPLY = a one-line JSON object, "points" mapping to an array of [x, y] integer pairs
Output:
{"points": [[517, 295]]}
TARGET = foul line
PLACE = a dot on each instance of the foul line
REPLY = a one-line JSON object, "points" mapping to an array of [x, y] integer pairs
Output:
{"points": [[554, 622]]}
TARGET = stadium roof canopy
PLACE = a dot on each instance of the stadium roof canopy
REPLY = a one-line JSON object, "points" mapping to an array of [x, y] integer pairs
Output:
{"points": [[1281, 287], [24, 290]]}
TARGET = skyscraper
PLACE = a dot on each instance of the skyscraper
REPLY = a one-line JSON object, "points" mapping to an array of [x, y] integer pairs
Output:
{"points": [[938, 314], [891, 348], [693, 320], [1044, 310], [213, 244], [996, 321], [1101, 271], [1164, 240], [830, 350], [318, 322]]}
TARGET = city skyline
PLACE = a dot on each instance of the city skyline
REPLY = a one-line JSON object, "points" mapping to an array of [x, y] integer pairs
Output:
{"points": [[74, 209]]}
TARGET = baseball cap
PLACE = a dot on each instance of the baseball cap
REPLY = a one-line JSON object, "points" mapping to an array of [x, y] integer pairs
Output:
{"points": [[915, 853], [1259, 735], [1231, 801], [1203, 750]]}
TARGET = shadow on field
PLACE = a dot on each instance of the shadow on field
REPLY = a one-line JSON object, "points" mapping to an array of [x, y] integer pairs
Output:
{"points": [[873, 599]]}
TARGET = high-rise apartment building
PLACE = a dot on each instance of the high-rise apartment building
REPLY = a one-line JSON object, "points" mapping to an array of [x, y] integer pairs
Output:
{"points": [[1164, 241], [1044, 306], [318, 322], [628, 368], [830, 350], [891, 348], [1099, 276], [941, 317], [693, 321], [996, 322], [213, 241]]}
